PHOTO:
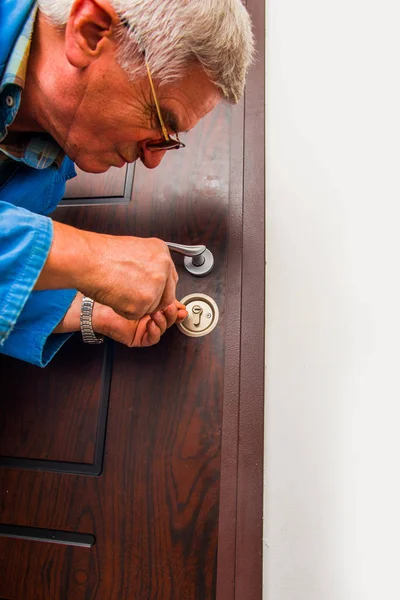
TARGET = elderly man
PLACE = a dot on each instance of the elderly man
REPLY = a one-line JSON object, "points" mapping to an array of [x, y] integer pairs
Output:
{"points": [[98, 83]]}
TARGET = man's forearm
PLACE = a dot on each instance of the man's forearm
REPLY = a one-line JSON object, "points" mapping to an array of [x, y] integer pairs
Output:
{"points": [[70, 257]]}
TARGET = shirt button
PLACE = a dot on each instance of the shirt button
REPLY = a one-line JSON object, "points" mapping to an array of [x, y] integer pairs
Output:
{"points": [[10, 101]]}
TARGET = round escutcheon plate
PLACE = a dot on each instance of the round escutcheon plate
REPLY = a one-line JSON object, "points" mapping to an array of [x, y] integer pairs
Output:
{"points": [[203, 315]]}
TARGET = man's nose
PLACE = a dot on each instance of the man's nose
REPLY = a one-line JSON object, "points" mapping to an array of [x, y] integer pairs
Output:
{"points": [[151, 160]]}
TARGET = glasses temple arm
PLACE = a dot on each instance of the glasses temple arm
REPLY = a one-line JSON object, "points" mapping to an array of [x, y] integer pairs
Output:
{"points": [[163, 128]]}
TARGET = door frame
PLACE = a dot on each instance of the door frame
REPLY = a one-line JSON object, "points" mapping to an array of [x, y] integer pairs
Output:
{"points": [[242, 455]]}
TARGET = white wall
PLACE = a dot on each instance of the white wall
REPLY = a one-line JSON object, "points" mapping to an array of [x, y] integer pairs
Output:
{"points": [[333, 336]]}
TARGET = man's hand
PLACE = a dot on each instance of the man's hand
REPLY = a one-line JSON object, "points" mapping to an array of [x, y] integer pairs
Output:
{"points": [[134, 276], [143, 332]]}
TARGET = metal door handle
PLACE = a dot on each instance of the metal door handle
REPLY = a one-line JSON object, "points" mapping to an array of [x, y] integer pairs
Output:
{"points": [[198, 259]]}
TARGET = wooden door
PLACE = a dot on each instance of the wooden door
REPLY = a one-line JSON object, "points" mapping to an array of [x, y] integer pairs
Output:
{"points": [[136, 473]]}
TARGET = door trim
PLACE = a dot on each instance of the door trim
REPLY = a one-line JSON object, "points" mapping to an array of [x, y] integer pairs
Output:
{"points": [[242, 455], [98, 200]]}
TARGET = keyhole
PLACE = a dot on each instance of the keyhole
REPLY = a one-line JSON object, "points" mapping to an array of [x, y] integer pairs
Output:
{"points": [[197, 311]]}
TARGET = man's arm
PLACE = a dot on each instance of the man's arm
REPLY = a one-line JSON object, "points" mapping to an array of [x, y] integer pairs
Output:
{"points": [[134, 276], [40, 274]]}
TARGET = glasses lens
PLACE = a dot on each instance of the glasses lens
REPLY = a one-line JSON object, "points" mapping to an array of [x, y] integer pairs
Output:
{"points": [[169, 144]]}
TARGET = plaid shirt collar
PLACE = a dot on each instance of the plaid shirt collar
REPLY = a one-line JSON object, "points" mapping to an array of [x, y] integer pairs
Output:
{"points": [[38, 150]]}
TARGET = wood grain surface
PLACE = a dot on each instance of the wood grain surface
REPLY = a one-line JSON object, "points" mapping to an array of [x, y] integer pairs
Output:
{"points": [[48, 414], [154, 509]]}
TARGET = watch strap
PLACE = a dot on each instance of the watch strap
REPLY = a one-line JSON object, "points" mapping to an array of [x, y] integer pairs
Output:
{"points": [[88, 335]]}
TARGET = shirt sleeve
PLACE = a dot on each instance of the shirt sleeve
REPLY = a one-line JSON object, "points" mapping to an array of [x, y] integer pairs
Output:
{"points": [[32, 339], [27, 318]]}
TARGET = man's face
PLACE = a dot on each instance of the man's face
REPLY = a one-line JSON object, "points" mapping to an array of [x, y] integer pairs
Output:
{"points": [[115, 117]]}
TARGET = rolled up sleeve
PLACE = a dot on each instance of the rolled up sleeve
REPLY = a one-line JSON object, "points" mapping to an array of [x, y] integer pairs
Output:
{"points": [[32, 339], [27, 318]]}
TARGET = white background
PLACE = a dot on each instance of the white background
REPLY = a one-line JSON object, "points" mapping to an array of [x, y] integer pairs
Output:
{"points": [[332, 501]]}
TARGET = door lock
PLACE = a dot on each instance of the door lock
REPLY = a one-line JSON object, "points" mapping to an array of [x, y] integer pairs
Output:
{"points": [[197, 311], [203, 315]]}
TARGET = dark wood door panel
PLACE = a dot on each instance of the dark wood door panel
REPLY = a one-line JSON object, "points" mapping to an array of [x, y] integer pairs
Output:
{"points": [[49, 415], [49, 571], [53, 501]]}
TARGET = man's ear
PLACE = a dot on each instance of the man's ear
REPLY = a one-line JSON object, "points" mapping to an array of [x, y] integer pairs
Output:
{"points": [[90, 23]]}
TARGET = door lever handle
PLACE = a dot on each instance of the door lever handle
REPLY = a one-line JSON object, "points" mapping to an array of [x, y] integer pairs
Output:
{"points": [[186, 250], [198, 259]]}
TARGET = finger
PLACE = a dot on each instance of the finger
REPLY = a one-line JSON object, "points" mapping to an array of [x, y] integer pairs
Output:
{"points": [[169, 294], [181, 315], [179, 305], [175, 273], [171, 312], [161, 321], [141, 332], [153, 333]]}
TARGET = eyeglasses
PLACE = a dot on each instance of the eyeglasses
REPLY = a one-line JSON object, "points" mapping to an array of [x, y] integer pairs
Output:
{"points": [[168, 143]]}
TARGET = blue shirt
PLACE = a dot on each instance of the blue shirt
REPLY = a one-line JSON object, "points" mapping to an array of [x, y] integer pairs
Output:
{"points": [[28, 192], [39, 150]]}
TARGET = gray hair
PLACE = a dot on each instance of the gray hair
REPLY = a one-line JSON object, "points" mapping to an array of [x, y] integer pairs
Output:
{"points": [[176, 33]]}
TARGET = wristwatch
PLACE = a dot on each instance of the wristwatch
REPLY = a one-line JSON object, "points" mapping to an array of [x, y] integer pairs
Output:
{"points": [[88, 335]]}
